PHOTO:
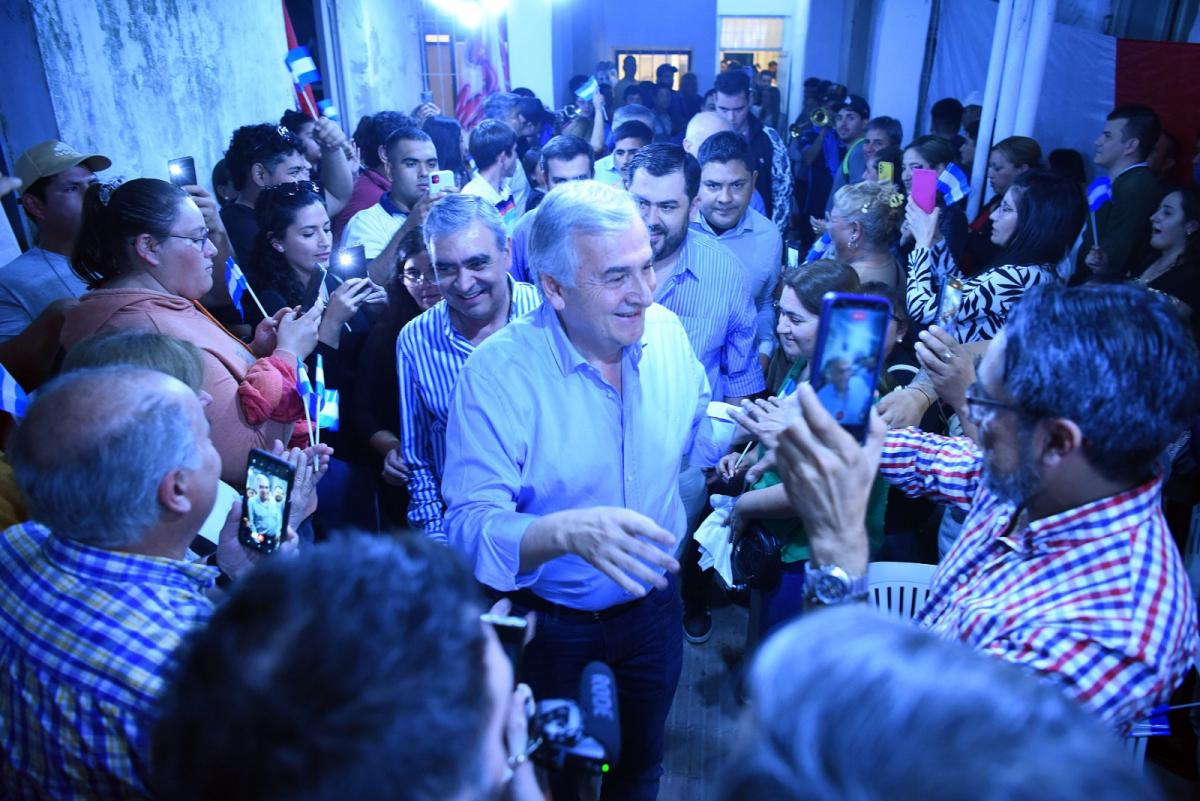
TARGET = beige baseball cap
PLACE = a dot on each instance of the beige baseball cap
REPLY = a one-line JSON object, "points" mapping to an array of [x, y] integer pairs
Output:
{"points": [[52, 157]]}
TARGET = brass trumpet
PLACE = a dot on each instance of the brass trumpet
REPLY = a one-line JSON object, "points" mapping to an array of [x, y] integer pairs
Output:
{"points": [[821, 117]]}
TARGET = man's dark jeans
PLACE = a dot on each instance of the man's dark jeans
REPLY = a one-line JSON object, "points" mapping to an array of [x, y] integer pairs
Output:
{"points": [[644, 648]]}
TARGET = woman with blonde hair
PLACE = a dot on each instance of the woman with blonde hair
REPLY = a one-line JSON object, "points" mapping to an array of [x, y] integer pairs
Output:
{"points": [[863, 223]]}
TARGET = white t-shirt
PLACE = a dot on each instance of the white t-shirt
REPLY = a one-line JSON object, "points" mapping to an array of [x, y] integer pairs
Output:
{"points": [[373, 228]]}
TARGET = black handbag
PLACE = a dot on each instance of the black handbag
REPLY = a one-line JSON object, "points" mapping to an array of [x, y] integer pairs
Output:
{"points": [[755, 560]]}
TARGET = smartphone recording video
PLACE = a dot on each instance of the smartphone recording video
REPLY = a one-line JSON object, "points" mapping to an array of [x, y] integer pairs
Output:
{"points": [[439, 181], [948, 306], [269, 482], [511, 631], [182, 171], [350, 261], [851, 337]]}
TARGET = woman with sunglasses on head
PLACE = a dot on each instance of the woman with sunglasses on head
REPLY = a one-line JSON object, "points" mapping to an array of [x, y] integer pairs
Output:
{"points": [[292, 269], [143, 250], [291, 265], [1033, 227]]}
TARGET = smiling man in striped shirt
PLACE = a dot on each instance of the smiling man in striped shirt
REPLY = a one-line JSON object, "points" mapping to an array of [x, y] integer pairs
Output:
{"points": [[1065, 565], [469, 248]]}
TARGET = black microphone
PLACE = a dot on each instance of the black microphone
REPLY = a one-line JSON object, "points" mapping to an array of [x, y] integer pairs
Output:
{"points": [[598, 703]]}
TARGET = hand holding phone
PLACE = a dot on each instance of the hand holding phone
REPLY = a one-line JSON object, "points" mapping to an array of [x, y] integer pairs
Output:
{"points": [[265, 511], [182, 171], [350, 261], [440, 181], [851, 345], [924, 189]]}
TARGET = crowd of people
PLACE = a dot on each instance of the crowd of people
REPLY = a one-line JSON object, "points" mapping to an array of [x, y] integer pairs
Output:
{"points": [[561, 341]]}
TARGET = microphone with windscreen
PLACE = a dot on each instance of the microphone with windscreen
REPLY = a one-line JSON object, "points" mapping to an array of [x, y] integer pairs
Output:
{"points": [[583, 736]]}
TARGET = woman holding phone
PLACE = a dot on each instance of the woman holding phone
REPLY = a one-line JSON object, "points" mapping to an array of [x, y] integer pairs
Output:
{"points": [[1033, 228], [291, 263], [765, 502], [934, 153], [144, 251]]}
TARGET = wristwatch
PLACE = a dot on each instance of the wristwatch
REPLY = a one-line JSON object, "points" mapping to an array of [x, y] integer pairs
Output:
{"points": [[830, 585]]}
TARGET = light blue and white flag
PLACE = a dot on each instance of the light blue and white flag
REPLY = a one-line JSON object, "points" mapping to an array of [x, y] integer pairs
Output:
{"points": [[12, 398], [236, 282], [819, 248], [328, 109], [300, 63], [1099, 193], [953, 184]]}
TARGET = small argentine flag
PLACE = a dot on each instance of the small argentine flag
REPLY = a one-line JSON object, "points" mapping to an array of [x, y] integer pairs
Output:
{"points": [[325, 402], [304, 389], [12, 398], [300, 63], [819, 248], [588, 90], [236, 282], [328, 109], [1099, 193], [953, 184]]}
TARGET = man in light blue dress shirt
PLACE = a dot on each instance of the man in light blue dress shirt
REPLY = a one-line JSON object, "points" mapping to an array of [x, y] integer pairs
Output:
{"points": [[567, 430]]}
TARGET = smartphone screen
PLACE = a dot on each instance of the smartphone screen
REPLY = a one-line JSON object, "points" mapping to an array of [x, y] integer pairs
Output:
{"points": [[924, 189], [439, 181], [849, 356], [949, 303], [511, 630], [793, 257], [182, 171], [350, 261], [268, 500]]}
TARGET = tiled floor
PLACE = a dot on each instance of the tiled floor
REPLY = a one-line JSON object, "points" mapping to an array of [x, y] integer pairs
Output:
{"points": [[703, 717]]}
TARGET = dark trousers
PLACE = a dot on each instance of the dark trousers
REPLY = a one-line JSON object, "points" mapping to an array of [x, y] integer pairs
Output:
{"points": [[644, 648]]}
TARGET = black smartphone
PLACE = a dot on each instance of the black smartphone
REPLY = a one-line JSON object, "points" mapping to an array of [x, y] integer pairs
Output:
{"points": [[511, 630], [426, 96], [350, 261], [182, 171], [851, 339], [269, 482], [948, 305]]}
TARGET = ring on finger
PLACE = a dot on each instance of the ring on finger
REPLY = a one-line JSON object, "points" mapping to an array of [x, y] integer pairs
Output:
{"points": [[948, 355]]}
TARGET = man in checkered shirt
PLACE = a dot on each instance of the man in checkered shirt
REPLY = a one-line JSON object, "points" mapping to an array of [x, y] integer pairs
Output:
{"points": [[118, 470], [1065, 564]]}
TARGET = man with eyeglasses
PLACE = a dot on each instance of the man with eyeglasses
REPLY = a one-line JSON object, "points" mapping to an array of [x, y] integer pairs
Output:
{"points": [[1065, 565], [469, 251]]}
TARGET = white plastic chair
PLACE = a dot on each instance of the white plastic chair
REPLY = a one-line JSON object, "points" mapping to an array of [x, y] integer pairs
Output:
{"points": [[899, 588], [1135, 744]]}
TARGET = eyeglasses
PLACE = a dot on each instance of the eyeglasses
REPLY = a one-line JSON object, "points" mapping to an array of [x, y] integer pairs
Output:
{"points": [[197, 241], [978, 405], [417, 278]]}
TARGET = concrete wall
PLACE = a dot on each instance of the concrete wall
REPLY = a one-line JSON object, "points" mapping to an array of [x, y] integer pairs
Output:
{"points": [[666, 24], [530, 27], [141, 81], [895, 78], [377, 55]]}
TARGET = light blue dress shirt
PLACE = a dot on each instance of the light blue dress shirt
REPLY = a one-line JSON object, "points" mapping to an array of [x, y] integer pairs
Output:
{"points": [[759, 247], [710, 292], [535, 429]]}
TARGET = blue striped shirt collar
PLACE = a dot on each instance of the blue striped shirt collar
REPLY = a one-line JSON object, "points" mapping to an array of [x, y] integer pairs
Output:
{"points": [[100, 564], [746, 223], [566, 355]]}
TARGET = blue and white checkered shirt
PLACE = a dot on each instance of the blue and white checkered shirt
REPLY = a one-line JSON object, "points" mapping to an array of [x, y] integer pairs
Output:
{"points": [[86, 637]]}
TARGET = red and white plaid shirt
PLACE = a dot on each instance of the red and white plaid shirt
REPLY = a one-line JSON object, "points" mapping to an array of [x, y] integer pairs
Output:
{"points": [[1095, 599]]}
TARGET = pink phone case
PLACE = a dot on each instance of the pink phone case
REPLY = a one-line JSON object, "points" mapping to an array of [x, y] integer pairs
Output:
{"points": [[924, 189]]}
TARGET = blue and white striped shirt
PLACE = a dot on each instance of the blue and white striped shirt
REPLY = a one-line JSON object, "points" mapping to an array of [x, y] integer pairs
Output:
{"points": [[710, 294], [86, 638], [430, 352]]}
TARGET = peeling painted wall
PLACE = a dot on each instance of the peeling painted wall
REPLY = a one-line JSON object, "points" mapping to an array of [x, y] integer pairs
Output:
{"points": [[143, 81], [379, 45]]}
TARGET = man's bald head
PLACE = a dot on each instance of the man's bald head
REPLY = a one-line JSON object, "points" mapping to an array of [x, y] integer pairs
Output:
{"points": [[702, 126], [95, 446]]}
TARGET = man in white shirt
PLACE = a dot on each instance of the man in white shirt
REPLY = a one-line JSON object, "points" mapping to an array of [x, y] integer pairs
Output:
{"points": [[409, 158], [493, 148]]}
